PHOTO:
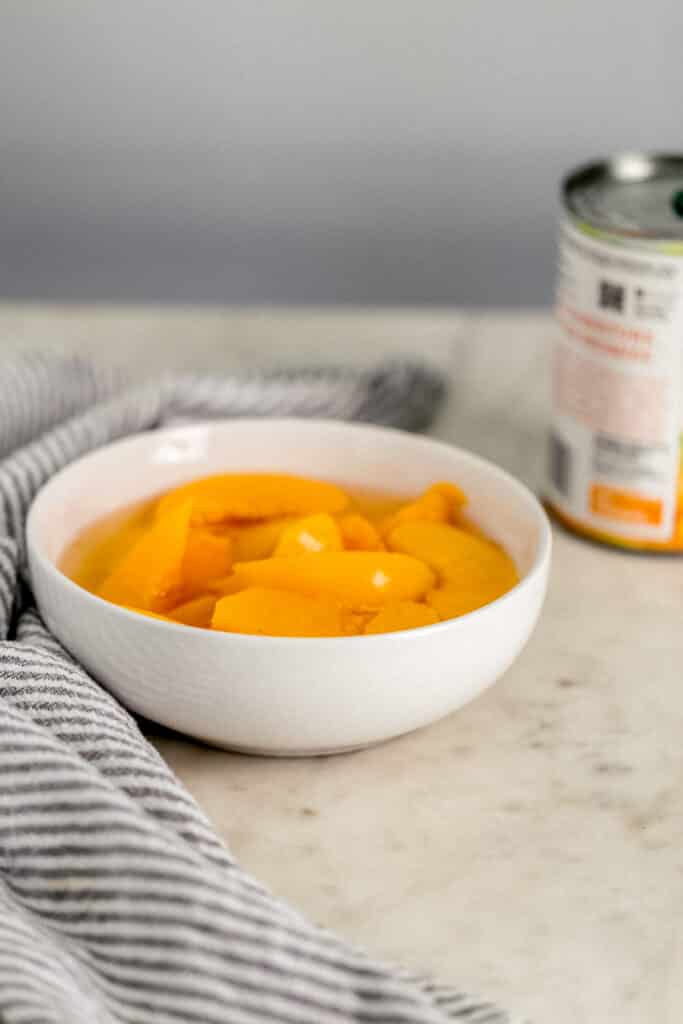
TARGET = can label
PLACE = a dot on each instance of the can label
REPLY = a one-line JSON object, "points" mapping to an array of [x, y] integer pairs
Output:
{"points": [[615, 445]]}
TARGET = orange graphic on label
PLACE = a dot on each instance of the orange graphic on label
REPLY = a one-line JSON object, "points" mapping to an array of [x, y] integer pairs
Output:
{"points": [[625, 505]]}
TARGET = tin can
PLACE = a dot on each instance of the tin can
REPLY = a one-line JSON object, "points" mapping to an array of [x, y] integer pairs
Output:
{"points": [[615, 467]]}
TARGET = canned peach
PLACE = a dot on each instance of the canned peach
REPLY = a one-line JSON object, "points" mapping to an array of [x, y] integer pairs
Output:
{"points": [[615, 469]]}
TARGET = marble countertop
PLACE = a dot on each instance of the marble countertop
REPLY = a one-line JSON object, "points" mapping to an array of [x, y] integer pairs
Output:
{"points": [[530, 846]]}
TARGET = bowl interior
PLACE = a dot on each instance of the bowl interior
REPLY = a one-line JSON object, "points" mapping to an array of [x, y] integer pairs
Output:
{"points": [[356, 456]]}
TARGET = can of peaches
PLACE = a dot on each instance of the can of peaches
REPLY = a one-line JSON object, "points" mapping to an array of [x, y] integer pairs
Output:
{"points": [[615, 466]]}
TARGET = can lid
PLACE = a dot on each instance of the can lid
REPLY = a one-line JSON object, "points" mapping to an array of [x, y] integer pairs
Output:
{"points": [[634, 195]]}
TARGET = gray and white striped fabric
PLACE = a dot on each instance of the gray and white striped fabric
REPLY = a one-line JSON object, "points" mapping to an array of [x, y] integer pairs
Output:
{"points": [[118, 903]]}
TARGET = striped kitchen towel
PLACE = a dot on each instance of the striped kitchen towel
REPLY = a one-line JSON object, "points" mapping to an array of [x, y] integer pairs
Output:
{"points": [[118, 903]]}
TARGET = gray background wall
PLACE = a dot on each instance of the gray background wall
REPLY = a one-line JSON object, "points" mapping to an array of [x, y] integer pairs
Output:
{"points": [[370, 151]]}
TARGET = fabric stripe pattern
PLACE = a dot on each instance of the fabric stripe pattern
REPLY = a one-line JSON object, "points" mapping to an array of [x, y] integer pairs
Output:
{"points": [[118, 902]]}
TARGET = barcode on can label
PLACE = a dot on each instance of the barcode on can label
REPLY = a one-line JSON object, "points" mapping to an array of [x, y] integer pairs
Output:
{"points": [[615, 447], [560, 465]]}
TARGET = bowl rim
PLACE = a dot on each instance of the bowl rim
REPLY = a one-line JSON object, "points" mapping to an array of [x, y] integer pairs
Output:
{"points": [[538, 568]]}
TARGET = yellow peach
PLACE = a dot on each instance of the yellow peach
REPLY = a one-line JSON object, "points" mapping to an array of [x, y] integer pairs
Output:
{"points": [[269, 612], [309, 535], [359, 579], [402, 615], [150, 575], [254, 496]]}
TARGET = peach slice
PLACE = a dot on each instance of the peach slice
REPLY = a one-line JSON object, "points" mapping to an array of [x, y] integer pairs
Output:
{"points": [[359, 579], [309, 535], [451, 601], [254, 496], [359, 534], [402, 615], [208, 556], [438, 504], [197, 612], [458, 556], [268, 612], [150, 576], [251, 541]]}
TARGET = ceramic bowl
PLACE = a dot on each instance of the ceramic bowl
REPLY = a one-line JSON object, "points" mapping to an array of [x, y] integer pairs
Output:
{"points": [[272, 695]]}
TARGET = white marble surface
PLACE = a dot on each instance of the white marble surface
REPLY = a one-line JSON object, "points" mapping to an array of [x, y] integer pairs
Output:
{"points": [[529, 847]]}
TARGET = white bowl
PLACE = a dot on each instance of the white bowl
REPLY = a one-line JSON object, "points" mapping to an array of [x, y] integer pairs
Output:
{"points": [[274, 695]]}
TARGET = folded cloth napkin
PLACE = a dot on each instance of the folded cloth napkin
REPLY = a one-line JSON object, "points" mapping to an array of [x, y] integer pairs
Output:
{"points": [[118, 903]]}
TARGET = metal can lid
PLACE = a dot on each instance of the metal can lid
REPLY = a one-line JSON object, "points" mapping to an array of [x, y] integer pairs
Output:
{"points": [[631, 195]]}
